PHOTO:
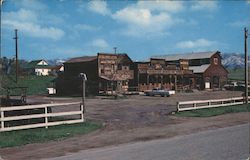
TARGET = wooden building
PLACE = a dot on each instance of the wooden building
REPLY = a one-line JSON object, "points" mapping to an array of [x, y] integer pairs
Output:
{"points": [[157, 73], [105, 72], [209, 73]]}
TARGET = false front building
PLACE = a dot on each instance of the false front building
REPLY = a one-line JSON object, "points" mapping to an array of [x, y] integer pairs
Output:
{"points": [[157, 73], [209, 73], [105, 72]]}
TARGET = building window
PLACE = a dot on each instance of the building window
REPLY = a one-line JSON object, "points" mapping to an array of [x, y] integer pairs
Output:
{"points": [[125, 67], [119, 67], [102, 70], [215, 60]]}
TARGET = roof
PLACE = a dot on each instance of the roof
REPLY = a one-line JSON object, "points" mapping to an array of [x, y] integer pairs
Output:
{"points": [[193, 55], [81, 59], [34, 64], [56, 67], [36, 61], [199, 69], [124, 58]]}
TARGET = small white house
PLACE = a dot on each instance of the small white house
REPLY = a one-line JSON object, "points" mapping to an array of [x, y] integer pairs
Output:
{"points": [[39, 67]]}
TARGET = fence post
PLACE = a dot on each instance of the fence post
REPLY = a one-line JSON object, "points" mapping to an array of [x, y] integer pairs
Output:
{"points": [[178, 106], [195, 105], [46, 116], [2, 120], [82, 111]]}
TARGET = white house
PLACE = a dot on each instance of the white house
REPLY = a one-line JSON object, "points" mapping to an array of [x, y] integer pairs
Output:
{"points": [[39, 67]]}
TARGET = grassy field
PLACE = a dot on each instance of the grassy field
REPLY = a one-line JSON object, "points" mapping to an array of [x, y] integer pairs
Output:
{"points": [[208, 112], [39, 135], [237, 74], [36, 84]]}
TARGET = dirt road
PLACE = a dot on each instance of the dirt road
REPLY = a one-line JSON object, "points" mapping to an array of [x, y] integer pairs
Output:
{"points": [[135, 118], [228, 143]]}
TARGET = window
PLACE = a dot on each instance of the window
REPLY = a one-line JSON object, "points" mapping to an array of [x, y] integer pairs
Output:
{"points": [[102, 70], [215, 60], [119, 67], [125, 67]]}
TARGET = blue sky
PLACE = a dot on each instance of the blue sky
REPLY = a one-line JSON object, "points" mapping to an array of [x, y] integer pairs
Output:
{"points": [[50, 29]]}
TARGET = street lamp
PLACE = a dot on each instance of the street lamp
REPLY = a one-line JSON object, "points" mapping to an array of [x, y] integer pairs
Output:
{"points": [[84, 79]]}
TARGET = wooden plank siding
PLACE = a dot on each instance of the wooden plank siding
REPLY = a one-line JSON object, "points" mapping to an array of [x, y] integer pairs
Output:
{"points": [[104, 71], [157, 73]]}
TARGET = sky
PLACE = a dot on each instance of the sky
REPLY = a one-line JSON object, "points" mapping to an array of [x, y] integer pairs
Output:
{"points": [[51, 29]]}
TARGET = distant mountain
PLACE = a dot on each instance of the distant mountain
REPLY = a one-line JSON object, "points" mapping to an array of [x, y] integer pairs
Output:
{"points": [[233, 60], [56, 62]]}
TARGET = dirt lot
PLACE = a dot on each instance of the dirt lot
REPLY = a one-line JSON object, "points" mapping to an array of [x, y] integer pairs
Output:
{"points": [[125, 120]]}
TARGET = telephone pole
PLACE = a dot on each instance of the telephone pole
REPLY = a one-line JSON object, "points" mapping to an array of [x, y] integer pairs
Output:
{"points": [[16, 38], [1, 4], [246, 65]]}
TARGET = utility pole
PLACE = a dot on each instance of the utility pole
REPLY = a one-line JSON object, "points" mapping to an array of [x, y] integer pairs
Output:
{"points": [[16, 54], [246, 65], [115, 68], [1, 4], [1, 76]]}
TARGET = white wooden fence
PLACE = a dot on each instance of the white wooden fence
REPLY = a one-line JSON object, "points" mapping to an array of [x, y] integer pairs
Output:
{"points": [[191, 105], [45, 115]]}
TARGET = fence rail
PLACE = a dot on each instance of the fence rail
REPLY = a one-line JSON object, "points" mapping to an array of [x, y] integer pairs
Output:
{"points": [[44, 113], [192, 105]]}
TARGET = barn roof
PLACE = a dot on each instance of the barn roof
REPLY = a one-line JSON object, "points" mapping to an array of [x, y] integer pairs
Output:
{"points": [[81, 59], [193, 55], [199, 69]]}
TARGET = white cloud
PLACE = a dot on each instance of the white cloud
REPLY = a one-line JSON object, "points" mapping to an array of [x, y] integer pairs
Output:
{"points": [[204, 5], [99, 6], [35, 30], [196, 44], [21, 15], [148, 17], [31, 24], [99, 43], [159, 5]]}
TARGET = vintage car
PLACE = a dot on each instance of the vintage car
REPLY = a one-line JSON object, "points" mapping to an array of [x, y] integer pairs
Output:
{"points": [[157, 91]]}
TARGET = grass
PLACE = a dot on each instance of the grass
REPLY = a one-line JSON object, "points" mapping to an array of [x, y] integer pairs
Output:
{"points": [[209, 112], [36, 84], [237, 74], [40, 135]]}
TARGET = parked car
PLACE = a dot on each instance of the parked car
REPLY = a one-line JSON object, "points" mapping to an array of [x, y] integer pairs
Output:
{"points": [[157, 91]]}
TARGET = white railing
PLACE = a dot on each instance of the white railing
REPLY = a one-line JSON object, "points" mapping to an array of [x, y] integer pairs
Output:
{"points": [[191, 105], [43, 113]]}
